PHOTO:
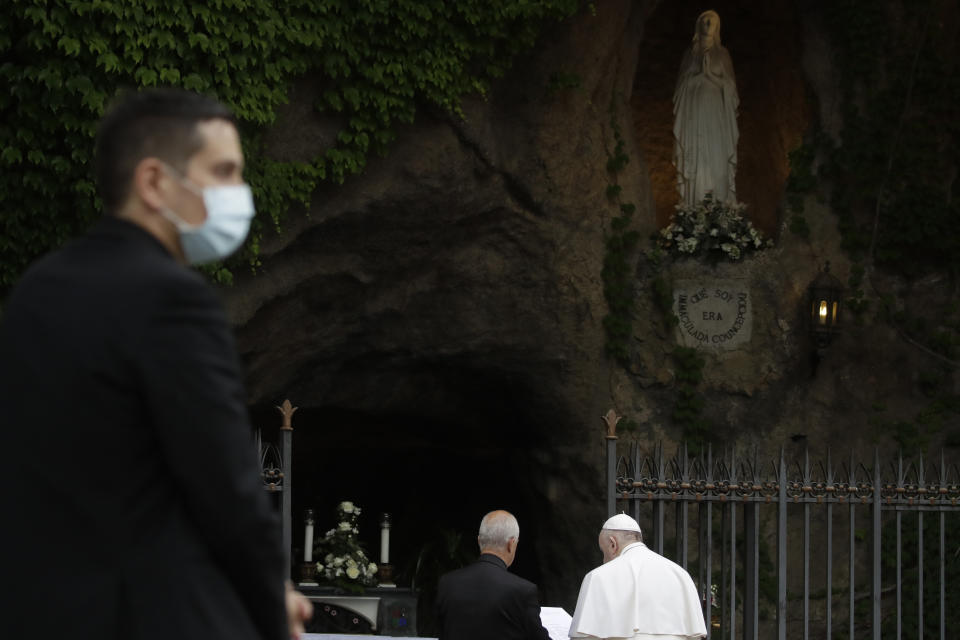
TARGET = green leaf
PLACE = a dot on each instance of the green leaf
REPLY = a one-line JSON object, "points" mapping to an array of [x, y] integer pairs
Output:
{"points": [[169, 76], [146, 77], [70, 46], [11, 155]]}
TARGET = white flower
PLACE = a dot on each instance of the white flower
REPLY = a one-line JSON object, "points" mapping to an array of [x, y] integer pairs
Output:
{"points": [[338, 561], [353, 572], [372, 567], [346, 507], [319, 567], [345, 526], [338, 573]]}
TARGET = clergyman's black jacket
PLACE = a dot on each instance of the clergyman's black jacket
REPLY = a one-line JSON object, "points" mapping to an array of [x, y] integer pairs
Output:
{"points": [[484, 601]]}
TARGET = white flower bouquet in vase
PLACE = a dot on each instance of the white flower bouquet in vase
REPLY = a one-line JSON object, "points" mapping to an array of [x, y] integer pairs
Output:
{"points": [[342, 560], [713, 229]]}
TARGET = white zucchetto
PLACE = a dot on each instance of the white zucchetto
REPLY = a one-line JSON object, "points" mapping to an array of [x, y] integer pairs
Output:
{"points": [[621, 522]]}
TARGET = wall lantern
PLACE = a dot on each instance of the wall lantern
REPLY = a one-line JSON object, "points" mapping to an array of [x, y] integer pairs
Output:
{"points": [[825, 307]]}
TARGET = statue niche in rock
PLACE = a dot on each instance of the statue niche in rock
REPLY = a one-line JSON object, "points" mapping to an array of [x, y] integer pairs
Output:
{"points": [[705, 117]]}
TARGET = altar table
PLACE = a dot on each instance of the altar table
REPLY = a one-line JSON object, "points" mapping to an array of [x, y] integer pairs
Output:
{"points": [[389, 612]]}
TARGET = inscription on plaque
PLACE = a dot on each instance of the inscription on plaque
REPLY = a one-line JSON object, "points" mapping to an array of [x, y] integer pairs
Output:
{"points": [[715, 314]]}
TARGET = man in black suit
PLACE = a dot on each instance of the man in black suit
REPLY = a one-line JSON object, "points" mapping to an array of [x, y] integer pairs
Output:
{"points": [[485, 601], [133, 506]]}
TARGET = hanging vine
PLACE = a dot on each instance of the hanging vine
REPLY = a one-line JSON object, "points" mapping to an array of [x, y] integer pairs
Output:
{"points": [[891, 176], [621, 243]]}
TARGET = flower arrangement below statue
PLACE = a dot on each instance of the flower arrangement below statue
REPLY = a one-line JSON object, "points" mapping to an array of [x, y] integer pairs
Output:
{"points": [[713, 229], [344, 563]]}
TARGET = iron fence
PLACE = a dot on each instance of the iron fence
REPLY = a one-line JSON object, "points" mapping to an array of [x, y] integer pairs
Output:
{"points": [[801, 504]]}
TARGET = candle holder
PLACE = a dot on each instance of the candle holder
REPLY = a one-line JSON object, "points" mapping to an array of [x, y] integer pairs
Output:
{"points": [[385, 571], [308, 574]]}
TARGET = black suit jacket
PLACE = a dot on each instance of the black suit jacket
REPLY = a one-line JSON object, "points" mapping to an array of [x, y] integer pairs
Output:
{"points": [[484, 601], [132, 506]]}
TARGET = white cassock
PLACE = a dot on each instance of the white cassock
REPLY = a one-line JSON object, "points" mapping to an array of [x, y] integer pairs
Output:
{"points": [[638, 595]]}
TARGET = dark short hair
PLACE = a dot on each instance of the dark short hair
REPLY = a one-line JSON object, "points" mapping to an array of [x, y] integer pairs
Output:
{"points": [[160, 123]]}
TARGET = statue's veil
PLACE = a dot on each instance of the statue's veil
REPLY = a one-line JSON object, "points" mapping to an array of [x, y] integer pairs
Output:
{"points": [[696, 29]]}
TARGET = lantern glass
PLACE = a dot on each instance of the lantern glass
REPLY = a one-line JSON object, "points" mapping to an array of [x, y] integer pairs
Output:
{"points": [[825, 294]]}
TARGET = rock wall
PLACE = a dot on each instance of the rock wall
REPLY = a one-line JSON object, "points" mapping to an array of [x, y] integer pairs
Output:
{"points": [[867, 389], [458, 281]]}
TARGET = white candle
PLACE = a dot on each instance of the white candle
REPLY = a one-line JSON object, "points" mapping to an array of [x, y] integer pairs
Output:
{"points": [[308, 543], [384, 546]]}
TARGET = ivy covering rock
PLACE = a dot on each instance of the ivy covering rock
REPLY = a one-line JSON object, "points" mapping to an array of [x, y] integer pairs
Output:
{"points": [[379, 62]]}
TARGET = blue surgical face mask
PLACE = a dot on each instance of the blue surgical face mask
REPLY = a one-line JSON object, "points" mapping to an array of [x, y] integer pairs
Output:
{"points": [[229, 212]]}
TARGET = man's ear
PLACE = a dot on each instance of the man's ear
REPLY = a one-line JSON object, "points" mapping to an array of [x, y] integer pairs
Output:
{"points": [[151, 183]]}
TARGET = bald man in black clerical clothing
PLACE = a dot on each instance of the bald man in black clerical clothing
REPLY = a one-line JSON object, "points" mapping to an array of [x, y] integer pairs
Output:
{"points": [[484, 600]]}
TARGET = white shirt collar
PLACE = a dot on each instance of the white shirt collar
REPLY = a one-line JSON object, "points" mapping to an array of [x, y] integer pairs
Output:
{"points": [[632, 545]]}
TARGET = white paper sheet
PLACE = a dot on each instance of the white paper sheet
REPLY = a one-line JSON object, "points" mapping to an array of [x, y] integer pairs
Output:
{"points": [[556, 621]]}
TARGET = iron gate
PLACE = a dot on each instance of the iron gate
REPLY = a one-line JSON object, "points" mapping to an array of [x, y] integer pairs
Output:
{"points": [[870, 516]]}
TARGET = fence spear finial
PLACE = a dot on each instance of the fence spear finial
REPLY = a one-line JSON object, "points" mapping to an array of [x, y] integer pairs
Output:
{"points": [[611, 419], [287, 410]]}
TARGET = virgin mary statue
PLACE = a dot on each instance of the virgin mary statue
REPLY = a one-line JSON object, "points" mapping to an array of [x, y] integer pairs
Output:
{"points": [[705, 117]]}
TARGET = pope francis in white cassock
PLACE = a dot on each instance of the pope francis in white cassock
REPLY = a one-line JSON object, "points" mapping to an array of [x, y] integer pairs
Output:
{"points": [[636, 593]]}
